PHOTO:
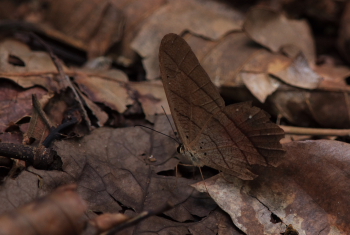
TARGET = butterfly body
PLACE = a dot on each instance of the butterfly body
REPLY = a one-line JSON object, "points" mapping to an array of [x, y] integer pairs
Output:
{"points": [[228, 138]]}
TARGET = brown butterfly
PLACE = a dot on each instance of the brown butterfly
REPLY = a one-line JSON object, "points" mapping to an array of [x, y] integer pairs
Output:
{"points": [[228, 138]]}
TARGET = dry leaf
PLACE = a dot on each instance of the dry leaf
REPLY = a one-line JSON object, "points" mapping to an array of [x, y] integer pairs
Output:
{"points": [[90, 25], [152, 98], [308, 190], [136, 14], [31, 68], [224, 60], [208, 19], [344, 32], [61, 212], [275, 31], [111, 169], [260, 85], [15, 102], [110, 92], [311, 108], [299, 74]]}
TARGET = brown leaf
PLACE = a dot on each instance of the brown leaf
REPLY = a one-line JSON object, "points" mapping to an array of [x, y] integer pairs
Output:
{"points": [[275, 31], [109, 90], [344, 32], [136, 14], [61, 212], [89, 25], [15, 102], [216, 223], [299, 74], [35, 68], [224, 59], [333, 76], [11, 137], [310, 108], [106, 222], [259, 84], [152, 98], [323, 106], [100, 115], [308, 190], [208, 19]]}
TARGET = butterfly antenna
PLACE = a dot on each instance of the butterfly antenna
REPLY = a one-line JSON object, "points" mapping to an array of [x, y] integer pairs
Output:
{"points": [[159, 133], [176, 172], [179, 142]]}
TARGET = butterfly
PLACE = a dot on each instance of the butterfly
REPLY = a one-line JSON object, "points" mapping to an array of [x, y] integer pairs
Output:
{"points": [[229, 138]]}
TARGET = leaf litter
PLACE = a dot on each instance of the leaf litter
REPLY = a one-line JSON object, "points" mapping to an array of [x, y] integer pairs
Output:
{"points": [[306, 193]]}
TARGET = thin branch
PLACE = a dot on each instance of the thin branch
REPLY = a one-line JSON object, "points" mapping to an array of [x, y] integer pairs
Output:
{"points": [[314, 131], [55, 133], [38, 157], [143, 215], [65, 77]]}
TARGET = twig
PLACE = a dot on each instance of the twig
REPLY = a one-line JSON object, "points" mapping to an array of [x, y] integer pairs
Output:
{"points": [[55, 133], [38, 157], [143, 215], [314, 131], [64, 77], [39, 110]]}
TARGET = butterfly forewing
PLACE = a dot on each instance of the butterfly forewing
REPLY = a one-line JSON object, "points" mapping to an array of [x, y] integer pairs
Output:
{"points": [[192, 97]]}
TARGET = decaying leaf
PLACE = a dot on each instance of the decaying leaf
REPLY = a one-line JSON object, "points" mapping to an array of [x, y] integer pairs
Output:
{"points": [[308, 190]]}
